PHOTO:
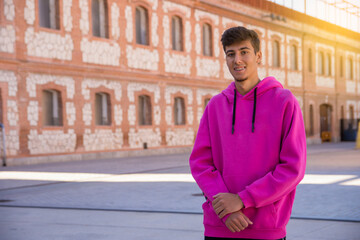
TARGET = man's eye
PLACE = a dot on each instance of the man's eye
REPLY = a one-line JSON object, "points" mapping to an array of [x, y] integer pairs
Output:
{"points": [[230, 54], [243, 52]]}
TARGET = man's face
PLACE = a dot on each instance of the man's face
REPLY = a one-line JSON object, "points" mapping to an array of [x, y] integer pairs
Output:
{"points": [[242, 61]]}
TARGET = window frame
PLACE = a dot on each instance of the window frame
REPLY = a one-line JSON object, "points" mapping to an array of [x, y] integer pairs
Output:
{"points": [[102, 18], [56, 97], [182, 108], [210, 42], [276, 42], [147, 26], [57, 17], [180, 35], [141, 114], [105, 107]]}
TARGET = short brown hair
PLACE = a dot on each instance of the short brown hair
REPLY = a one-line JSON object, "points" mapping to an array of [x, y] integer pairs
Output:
{"points": [[239, 34]]}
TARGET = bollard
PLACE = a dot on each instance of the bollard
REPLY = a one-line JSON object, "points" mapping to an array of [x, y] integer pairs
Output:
{"points": [[358, 137]]}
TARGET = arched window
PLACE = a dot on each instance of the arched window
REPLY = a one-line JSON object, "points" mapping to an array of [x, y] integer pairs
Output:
{"points": [[99, 11], [142, 26], [311, 120], [276, 53], [350, 68], [144, 110], [49, 14], [321, 63], [310, 60], [207, 40], [327, 65], [293, 58], [102, 109], [341, 67], [179, 111], [51, 108], [206, 101], [177, 33]]}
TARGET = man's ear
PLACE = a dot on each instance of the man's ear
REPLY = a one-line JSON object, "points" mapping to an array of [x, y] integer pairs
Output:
{"points": [[258, 57]]}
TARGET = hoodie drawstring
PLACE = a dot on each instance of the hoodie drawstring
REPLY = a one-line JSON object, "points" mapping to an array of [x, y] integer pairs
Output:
{"points": [[233, 119], [254, 112]]}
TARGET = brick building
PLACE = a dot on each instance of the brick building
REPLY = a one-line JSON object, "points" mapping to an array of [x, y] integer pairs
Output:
{"points": [[100, 76]]}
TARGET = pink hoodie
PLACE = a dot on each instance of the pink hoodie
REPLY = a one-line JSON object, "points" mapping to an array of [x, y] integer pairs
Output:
{"points": [[263, 160]]}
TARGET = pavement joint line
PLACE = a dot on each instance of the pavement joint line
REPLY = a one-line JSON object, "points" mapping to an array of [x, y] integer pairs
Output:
{"points": [[164, 212], [61, 182]]}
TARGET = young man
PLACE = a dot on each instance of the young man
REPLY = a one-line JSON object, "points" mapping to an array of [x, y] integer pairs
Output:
{"points": [[250, 150]]}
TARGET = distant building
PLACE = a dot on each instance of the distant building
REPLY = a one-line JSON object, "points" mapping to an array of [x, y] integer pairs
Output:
{"points": [[95, 76]]}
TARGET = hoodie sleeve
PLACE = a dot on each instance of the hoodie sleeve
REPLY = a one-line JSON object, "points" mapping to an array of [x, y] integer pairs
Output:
{"points": [[201, 162], [291, 168]]}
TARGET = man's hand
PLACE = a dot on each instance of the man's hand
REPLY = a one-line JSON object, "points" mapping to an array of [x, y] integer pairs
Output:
{"points": [[237, 222], [225, 203]]}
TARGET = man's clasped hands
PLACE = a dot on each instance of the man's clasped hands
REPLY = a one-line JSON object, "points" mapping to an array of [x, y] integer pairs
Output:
{"points": [[229, 203]]}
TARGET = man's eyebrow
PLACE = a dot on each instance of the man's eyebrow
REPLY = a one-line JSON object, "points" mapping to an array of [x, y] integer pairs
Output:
{"points": [[239, 49]]}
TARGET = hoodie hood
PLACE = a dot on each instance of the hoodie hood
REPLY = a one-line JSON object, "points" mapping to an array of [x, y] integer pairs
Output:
{"points": [[263, 86]]}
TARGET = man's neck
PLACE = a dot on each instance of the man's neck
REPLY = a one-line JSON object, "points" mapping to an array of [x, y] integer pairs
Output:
{"points": [[245, 86]]}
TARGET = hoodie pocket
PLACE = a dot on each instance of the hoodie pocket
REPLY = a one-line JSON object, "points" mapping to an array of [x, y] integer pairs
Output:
{"points": [[210, 217], [263, 217]]}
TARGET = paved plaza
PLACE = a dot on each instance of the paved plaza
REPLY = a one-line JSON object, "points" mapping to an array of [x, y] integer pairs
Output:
{"points": [[155, 198]]}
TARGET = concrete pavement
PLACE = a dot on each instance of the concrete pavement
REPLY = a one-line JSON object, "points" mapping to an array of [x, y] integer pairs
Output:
{"points": [[154, 198]]}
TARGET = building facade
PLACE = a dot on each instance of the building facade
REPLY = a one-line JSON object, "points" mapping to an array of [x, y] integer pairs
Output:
{"points": [[93, 76]]}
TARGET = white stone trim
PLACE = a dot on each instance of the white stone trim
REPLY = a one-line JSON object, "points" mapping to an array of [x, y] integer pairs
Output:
{"points": [[100, 52], [29, 12], [154, 29], [115, 14], [323, 81], [7, 39], [67, 17], [148, 135], [52, 141], [70, 113], [278, 73], [87, 114], [33, 113], [84, 17], [169, 90], [206, 67], [227, 21], [294, 79], [88, 83], [180, 137], [129, 24], [199, 14], [9, 10], [177, 63], [188, 42], [34, 79], [350, 86], [48, 45], [142, 58], [12, 113], [118, 114], [9, 77], [135, 87], [171, 6], [132, 114], [103, 139]]}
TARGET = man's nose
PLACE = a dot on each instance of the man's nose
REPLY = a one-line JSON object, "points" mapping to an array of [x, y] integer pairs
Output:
{"points": [[238, 58]]}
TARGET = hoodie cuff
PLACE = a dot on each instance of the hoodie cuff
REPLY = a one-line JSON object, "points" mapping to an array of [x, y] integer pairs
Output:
{"points": [[225, 218], [246, 198]]}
